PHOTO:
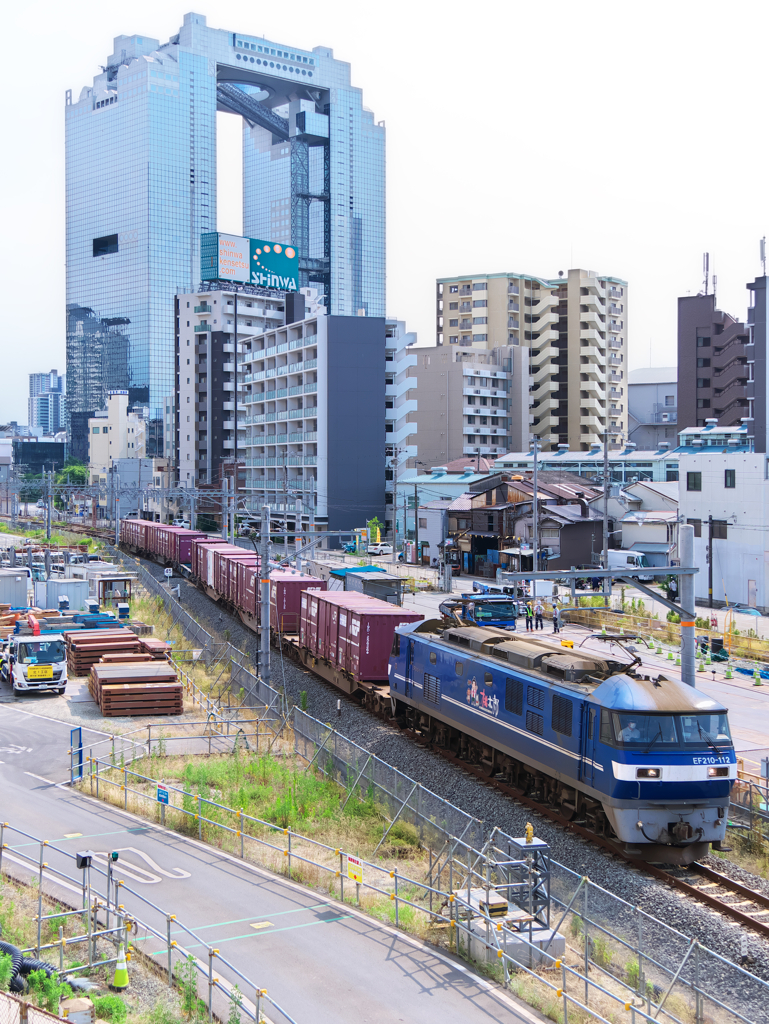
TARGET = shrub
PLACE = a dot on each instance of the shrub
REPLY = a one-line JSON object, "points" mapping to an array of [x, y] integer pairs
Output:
{"points": [[110, 1008], [6, 969]]}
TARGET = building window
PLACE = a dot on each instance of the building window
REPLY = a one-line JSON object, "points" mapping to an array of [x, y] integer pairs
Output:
{"points": [[453, 323], [453, 305], [670, 399], [719, 528], [479, 286], [480, 320], [730, 478], [422, 524], [703, 403], [694, 481], [453, 339], [479, 303], [703, 382], [453, 288], [96, 430], [703, 342], [697, 524], [105, 245], [703, 362]]}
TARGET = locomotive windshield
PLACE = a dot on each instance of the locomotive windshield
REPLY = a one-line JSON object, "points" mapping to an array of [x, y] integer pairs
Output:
{"points": [[652, 732]]}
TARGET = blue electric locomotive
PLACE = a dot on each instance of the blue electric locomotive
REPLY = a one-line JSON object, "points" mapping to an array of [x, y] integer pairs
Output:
{"points": [[649, 761]]}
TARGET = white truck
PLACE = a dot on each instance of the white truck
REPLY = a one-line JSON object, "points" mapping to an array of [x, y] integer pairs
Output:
{"points": [[629, 561], [36, 663]]}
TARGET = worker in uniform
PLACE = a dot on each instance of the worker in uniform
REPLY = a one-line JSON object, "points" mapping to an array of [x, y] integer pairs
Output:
{"points": [[538, 615], [556, 618], [529, 616]]}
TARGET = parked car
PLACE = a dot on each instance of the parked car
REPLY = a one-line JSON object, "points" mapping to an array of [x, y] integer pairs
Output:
{"points": [[380, 549], [184, 523], [744, 609]]}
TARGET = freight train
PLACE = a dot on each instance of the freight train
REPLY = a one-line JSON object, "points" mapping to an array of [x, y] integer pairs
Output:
{"points": [[644, 760]]}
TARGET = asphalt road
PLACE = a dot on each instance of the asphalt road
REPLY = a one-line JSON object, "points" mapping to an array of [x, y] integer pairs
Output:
{"points": [[322, 960]]}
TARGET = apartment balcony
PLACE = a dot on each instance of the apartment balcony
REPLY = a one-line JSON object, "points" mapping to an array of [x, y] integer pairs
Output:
{"points": [[616, 410], [615, 361], [228, 386], [615, 310], [203, 328], [228, 425], [228, 445], [484, 449], [615, 343], [228, 406], [592, 335], [592, 354], [228, 367], [592, 320], [543, 354], [593, 288], [615, 377], [593, 302], [591, 424], [616, 327], [205, 308], [615, 293]]}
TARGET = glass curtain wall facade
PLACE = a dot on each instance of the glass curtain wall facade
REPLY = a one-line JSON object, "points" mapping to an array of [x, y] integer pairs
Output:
{"points": [[141, 188]]}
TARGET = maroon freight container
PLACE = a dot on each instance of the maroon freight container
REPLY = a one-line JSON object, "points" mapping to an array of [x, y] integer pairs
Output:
{"points": [[319, 623], [199, 548], [219, 582], [207, 565], [228, 565], [371, 638], [183, 545], [286, 590]]}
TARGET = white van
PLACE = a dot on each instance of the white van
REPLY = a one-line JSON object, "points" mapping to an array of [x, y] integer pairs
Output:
{"points": [[629, 560], [379, 548], [37, 663]]}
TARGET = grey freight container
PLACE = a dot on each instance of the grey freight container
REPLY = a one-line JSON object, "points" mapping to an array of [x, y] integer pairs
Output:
{"points": [[14, 589]]}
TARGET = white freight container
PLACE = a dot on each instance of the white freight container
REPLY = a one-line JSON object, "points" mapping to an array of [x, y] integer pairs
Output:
{"points": [[47, 593]]}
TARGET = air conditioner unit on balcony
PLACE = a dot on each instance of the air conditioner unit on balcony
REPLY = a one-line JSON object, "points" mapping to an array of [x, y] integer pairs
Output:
{"points": [[665, 417]]}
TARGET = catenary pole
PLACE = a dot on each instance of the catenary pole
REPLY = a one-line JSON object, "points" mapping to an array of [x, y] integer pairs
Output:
{"points": [[264, 576], [686, 552]]}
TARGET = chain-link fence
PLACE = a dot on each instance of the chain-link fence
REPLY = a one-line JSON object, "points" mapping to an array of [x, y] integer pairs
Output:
{"points": [[618, 945], [18, 1011]]}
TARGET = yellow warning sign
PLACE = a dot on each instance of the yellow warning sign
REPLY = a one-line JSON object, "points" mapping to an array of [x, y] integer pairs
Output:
{"points": [[354, 869]]}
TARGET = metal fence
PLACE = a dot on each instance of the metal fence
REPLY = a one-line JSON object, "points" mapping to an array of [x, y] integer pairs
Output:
{"points": [[660, 968], [18, 1011]]}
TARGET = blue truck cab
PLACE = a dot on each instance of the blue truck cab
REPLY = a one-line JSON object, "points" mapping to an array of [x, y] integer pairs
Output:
{"points": [[498, 610]]}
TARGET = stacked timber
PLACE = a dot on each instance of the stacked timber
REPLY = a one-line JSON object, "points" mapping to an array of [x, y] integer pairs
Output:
{"points": [[86, 647], [147, 688], [158, 649]]}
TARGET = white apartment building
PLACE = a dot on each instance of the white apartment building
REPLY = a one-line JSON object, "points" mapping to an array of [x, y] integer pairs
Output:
{"points": [[575, 328], [114, 433], [731, 488], [400, 409]]}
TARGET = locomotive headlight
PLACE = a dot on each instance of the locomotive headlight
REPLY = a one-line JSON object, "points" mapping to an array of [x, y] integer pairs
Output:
{"points": [[718, 772], [648, 773]]}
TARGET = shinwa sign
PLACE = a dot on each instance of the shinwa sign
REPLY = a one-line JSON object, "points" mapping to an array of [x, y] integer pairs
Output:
{"points": [[248, 261]]}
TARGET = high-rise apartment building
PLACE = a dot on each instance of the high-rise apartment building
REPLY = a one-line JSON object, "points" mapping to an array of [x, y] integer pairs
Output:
{"points": [[575, 328], [470, 402], [713, 364], [47, 402], [141, 188]]}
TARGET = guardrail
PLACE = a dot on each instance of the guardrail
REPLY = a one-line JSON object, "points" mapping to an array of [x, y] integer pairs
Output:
{"points": [[666, 977], [94, 903]]}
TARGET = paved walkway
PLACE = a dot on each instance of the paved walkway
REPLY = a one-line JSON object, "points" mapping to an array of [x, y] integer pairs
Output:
{"points": [[323, 960]]}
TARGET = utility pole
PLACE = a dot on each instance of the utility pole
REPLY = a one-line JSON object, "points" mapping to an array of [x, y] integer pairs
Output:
{"points": [[49, 499], [710, 561], [606, 514], [416, 525], [117, 509], [264, 604], [686, 554], [225, 508], [535, 511]]}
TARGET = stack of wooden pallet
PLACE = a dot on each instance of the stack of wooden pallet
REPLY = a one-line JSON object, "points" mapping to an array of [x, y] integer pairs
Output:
{"points": [[158, 649], [87, 646], [146, 688]]}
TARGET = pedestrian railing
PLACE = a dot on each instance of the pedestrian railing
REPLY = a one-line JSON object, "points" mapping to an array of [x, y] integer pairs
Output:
{"points": [[98, 905], [668, 975]]}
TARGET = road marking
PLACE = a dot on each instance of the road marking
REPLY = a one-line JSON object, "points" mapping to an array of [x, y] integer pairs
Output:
{"points": [[241, 920], [250, 935], [73, 835], [143, 875], [40, 778], [262, 924]]}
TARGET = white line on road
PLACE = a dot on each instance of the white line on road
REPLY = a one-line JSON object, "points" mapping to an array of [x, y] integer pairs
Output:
{"points": [[40, 777]]}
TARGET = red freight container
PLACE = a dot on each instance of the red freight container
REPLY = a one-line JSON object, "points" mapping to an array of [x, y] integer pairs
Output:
{"points": [[219, 581], [199, 548], [352, 631], [248, 586], [228, 568], [286, 590], [206, 562]]}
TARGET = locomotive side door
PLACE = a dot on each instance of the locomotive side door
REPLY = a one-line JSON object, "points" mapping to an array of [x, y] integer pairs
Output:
{"points": [[588, 739], [409, 668]]}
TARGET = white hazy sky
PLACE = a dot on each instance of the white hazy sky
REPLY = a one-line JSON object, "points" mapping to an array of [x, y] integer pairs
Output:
{"points": [[622, 137]]}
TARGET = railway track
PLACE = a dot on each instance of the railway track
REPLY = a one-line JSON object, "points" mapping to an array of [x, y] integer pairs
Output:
{"points": [[699, 881]]}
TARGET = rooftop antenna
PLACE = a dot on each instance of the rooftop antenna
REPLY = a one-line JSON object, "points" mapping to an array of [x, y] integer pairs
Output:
{"points": [[715, 283], [762, 250], [706, 269]]}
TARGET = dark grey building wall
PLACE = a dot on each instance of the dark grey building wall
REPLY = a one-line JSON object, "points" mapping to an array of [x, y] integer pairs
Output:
{"points": [[580, 541], [356, 420], [757, 389]]}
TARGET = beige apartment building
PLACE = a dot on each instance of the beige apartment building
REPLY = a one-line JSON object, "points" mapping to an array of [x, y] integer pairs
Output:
{"points": [[114, 433], [575, 330], [470, 402]]}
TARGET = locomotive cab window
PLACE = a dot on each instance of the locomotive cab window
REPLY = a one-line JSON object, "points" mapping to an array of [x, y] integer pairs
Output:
{"points": [[700, 731], [459, 668], [396, 645], [644, 731], [488, 678], [433, 657]]}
